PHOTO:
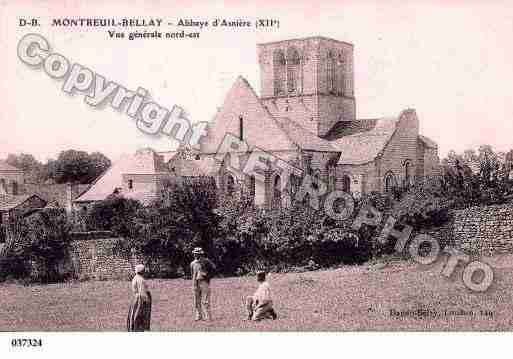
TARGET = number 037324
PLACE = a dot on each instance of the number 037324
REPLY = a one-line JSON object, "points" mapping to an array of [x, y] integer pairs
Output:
{"points": [[26, 342]]}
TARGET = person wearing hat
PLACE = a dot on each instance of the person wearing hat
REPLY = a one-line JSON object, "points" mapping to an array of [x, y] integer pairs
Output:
{"points": [[202, 270], [260, 304], [139, 314]]}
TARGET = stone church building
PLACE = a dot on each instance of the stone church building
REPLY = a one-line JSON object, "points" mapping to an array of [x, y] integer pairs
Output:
{"points": [[305, 116]]}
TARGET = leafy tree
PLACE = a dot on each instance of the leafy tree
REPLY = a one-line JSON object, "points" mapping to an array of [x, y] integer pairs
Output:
{"points": [[182, 217], [114, 214], [77, 166], [29, 164], [41, 238]]}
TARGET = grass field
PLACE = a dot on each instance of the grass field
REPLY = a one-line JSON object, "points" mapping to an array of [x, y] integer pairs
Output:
{"points": [[349, 298]]}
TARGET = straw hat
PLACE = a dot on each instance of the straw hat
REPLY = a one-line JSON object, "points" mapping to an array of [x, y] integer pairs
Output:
{"points": [[198, 250], [139, 268]]}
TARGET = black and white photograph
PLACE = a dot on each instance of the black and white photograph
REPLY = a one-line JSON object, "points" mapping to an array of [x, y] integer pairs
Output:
{"points": [[278, 166]]}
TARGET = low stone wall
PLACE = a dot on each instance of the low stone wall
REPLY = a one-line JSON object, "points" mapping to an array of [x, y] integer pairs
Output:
{"points": [[484, 230], [96, 259]]}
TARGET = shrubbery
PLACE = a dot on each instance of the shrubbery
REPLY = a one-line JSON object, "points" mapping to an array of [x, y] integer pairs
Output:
{"points": [[35, 246]]}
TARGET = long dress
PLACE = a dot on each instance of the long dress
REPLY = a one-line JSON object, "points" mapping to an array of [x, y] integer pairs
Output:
{"points": [[139, 314]]}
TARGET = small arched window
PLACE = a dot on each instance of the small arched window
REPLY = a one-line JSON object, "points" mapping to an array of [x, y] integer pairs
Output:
{"points": [[279, 66], [332, 74], [316, 180], [389, 182], [346, 184], [15, 188], [230, 185], [241, 128], [252, 187], [407, 174], [292, 69], [295, 184], [130, 184], [277, 191]]}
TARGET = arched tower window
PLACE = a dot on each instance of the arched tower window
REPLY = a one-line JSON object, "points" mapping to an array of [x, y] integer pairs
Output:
{"points": [[341, 74], [279, 66], [293, 62], [332, 73]]}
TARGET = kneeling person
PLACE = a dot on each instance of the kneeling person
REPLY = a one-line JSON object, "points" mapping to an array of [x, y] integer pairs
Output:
{"points": [[260, 305]]}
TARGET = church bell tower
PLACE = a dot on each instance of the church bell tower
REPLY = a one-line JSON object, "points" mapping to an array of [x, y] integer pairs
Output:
{"points": [[310, 81]]}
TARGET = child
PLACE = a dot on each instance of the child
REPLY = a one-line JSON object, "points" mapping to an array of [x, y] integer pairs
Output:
{"points": [[260, 305]]}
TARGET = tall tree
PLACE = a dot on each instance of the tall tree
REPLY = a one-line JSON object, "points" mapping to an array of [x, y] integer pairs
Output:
{"points": [[77, 166], [29, 164]]}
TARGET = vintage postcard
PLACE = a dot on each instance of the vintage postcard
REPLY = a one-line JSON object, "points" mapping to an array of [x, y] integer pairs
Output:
{"points": [[333, 166]]}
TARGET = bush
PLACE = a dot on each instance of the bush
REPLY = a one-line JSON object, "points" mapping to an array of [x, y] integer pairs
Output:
{"points": [[35, 246], [114, 214]]}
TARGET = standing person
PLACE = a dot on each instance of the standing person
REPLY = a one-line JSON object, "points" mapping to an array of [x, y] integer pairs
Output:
{"points": [[202, 270], [139, 314], [260, 305]]}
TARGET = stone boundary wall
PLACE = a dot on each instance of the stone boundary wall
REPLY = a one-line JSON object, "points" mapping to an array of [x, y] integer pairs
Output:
{"points": [[484, 230], [96, 259]]}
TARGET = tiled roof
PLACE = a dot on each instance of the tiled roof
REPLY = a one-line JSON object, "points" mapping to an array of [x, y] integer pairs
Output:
{"points": [[144, 197], [428, 142], [5, 167], [205, 166], [9, 202], [356, 148], [243, 100], [358, 142], [143, 162], [56, 193], [363, 147], [303, 138]]}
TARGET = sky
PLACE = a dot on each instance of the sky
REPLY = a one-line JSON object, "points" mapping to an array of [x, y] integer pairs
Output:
{"points": [[449, 60]]}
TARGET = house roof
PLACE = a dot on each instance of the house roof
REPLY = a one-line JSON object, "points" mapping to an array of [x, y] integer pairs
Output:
{"points": [[57, 193], [5, 167], [144, 197], [9, 202], [142, 162], [428, 142], [205, 166]]}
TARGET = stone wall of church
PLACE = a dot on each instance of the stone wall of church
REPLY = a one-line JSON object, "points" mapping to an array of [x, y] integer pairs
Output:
{"points": [[300, 109], [402, 147], [431, 163], [361, 176], [333, 109]]}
